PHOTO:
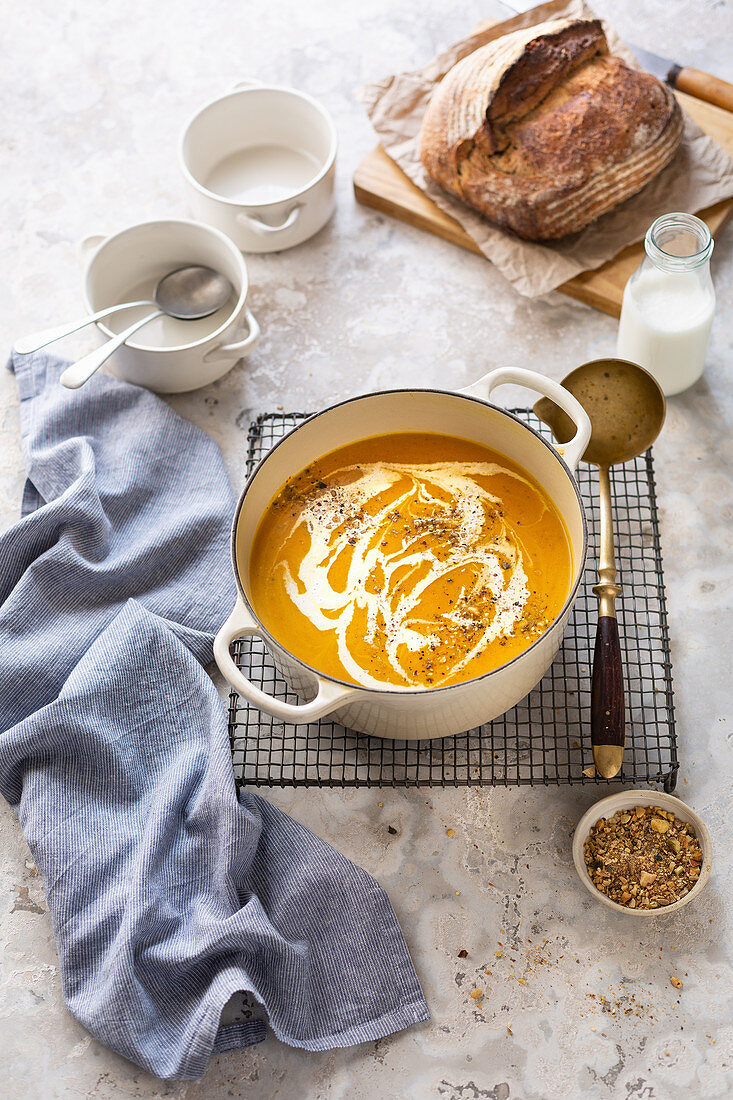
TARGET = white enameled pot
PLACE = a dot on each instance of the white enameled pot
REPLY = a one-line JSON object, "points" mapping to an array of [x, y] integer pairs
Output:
{"points": [[167, 355], [407, 712], [260, 164]]}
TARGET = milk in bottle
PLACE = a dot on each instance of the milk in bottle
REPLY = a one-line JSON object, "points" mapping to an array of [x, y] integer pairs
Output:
{"points": [[669, 302]]}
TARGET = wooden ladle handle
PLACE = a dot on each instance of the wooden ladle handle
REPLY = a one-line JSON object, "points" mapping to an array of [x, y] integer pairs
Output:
{"points": [[607, 699]]}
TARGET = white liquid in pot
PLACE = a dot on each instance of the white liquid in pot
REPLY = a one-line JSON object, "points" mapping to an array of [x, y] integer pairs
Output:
{"points": [[164, 332], [665, 325], [262, 174]]}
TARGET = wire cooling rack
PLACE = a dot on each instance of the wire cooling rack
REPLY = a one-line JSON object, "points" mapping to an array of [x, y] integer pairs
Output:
{"points": [[545, 739]]}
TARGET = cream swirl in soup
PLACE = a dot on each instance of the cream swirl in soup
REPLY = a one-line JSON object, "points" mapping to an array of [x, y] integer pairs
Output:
{"points": [[380, 569]]}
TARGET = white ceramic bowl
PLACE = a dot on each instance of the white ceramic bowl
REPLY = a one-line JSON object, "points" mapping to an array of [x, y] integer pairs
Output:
{"points": [[260, 165], [625, 800], [167, 355], [399, 712]]}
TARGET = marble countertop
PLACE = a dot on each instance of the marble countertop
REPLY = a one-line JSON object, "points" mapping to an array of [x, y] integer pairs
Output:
{"points": [[95, 96]]}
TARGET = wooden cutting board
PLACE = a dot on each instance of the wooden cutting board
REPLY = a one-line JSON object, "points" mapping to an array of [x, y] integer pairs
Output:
{"points": [[379, 182]]}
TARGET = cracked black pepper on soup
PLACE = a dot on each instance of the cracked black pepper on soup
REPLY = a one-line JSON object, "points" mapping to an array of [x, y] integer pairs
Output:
{"points": [[412, 559]]}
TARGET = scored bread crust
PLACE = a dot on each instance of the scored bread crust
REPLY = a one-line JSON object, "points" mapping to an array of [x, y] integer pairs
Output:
{"points": [[543, 130]]}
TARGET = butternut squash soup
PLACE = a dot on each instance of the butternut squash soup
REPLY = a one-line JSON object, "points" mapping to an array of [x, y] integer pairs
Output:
{"points": [[411, 560]]}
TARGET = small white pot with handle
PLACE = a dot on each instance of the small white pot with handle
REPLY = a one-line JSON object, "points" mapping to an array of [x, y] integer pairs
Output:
{"points": [[260, 165], [396, 712], [169, 355]]}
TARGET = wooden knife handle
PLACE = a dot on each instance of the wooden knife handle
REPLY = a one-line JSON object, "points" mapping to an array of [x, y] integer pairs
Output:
{"points": [[607, 699], [707, 87]]}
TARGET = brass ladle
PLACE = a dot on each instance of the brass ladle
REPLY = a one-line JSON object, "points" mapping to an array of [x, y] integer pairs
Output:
{"points": [[626, 409]]}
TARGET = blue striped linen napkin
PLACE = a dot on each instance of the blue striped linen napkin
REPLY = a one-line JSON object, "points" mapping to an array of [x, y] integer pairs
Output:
{"points": [[166, 893]]}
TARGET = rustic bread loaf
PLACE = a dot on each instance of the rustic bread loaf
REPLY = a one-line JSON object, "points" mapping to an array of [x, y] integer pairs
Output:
{"points": [[543, 130]]}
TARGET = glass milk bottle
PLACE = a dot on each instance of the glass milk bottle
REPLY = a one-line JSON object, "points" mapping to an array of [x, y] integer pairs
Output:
{"points": [[669, 302]]}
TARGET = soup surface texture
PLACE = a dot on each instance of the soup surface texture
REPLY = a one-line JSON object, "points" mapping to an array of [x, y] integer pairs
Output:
{"points": [[417, 560]]}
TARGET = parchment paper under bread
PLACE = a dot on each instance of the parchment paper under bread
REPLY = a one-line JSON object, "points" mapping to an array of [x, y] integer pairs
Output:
{"points": [[700, 174]]}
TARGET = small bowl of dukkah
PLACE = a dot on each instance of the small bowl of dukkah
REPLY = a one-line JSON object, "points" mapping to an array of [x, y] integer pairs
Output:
{"points": [[643, 853]]}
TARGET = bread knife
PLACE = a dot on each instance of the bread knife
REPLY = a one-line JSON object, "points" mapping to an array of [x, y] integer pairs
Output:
{"points": [[701, 85], [692, 81]]}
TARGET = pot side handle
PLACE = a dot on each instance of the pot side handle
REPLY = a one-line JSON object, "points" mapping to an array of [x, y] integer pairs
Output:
{"points": [[572, 451], [253, 221], [241, 347], [240, 624], [89, 245], [246, 82]]}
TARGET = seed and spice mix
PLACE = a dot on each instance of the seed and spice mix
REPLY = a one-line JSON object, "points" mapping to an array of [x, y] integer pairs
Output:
{"points": [[643, 857]]}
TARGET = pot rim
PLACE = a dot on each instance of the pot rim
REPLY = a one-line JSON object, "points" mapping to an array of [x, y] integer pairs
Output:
{"points": [[259, 207], [174, 349], [387, 688]]}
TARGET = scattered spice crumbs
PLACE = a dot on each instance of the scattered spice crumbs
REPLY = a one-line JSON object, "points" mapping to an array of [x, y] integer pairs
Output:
{"points": [[463, 954], [676, 983], [450, 832], [626, 999], [643, 858]]}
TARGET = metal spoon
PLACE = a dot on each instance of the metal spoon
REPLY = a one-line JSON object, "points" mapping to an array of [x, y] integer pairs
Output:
{"points": [[626, 407], [188, 294], [191, 276], [38, 340]]}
